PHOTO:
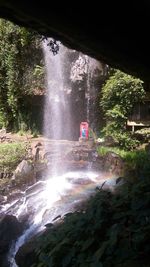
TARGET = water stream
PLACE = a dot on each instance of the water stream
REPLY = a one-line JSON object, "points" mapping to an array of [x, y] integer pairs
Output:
{"points": [[51, 198]]}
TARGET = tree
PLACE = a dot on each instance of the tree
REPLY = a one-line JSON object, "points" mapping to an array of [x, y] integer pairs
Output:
{"points": [[119, 95], [20, 53]]}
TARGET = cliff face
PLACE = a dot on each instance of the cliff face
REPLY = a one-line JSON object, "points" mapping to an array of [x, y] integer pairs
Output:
{"points": [[116, 33], [73, 82], [86, 78]]}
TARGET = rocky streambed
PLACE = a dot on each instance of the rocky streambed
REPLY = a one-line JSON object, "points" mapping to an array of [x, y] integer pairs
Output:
{"points": [[54, 181], [59, 156]]}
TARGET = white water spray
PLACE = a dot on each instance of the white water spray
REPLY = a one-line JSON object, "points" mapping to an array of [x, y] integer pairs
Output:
{"points": [[57, 110]]}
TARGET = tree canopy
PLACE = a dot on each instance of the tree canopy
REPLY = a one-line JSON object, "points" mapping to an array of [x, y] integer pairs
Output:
{"points": [[119, 95], [20, 71]]}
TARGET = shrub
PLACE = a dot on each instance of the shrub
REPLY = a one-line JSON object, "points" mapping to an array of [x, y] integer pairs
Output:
{"points": [[119, 95]]}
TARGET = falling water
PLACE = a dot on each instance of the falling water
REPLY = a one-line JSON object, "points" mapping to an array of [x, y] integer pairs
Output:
{"points": [[87, 94], [57, 110]]}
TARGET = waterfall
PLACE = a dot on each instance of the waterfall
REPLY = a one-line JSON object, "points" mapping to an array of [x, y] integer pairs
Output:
{"points": [[87, 93], [57, 107], [56, 110], [68, 84]]}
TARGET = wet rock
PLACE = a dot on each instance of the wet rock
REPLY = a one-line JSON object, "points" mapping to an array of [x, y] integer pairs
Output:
{"points": [[80, 181], [39, 169], [24, 173], [37, 151], [84, 155], [35, 188], [114, 163], [111, 162], [4, 175], [49, 225], [23, 168], [38, 144], [56, 218], [51, 214], [26, 256], [15, 194], [10, 230], [79, 153], [3, 199], [120, 180]]}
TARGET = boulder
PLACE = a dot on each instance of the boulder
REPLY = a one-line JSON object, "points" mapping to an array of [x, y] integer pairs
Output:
{"points": [[23, 168], [26, 256], [114, 163], [25, 173], [10, 230]]}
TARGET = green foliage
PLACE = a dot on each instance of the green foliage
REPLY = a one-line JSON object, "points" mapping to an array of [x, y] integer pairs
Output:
{"points": [[103, 150], [38, 71], [114, 230], [137, 161], [10, 156], [35, 134], [2, 120], [122, 89], [125, 140], [92, 134], [20, 53], [119, 95], [23, 129]]}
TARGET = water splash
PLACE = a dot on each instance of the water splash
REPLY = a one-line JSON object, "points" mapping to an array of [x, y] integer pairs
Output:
{"points": [[61, 192]]}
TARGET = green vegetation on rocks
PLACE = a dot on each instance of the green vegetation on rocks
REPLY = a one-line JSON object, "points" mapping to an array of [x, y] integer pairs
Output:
{"points": [[10, 156], [21, 73], [137, 162]]}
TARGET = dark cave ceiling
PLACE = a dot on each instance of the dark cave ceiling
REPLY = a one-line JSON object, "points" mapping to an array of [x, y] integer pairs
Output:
{"points": [[115, 33]]}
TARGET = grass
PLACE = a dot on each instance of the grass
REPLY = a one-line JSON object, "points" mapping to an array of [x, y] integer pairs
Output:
{"points": [[10, 155], [102, 151]]}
